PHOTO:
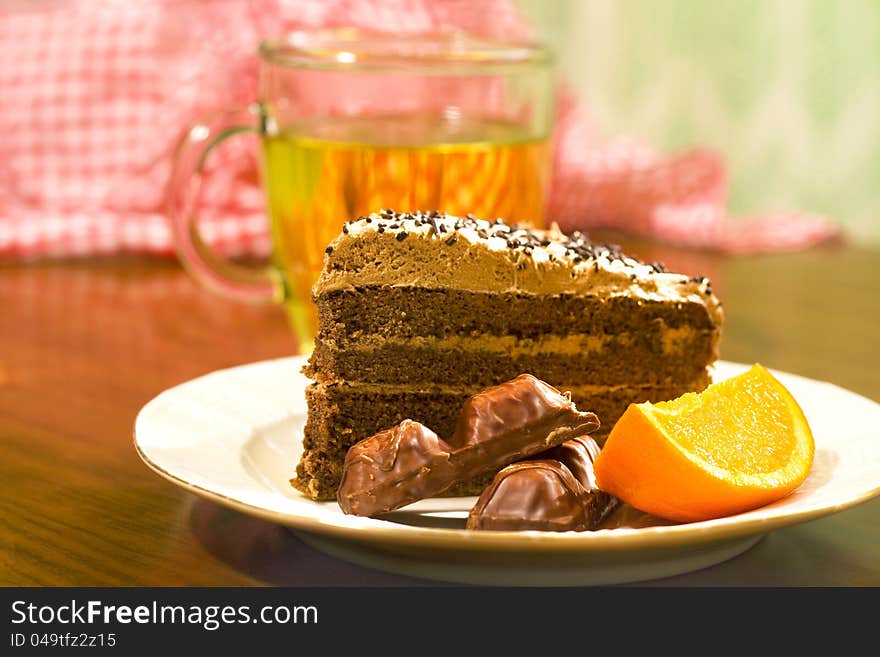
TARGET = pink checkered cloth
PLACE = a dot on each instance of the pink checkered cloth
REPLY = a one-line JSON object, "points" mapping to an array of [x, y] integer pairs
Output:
{"points": [[95, 96]]}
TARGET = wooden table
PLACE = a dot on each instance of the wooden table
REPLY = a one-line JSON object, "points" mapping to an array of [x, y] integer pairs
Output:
{"points": [[83, 345]]}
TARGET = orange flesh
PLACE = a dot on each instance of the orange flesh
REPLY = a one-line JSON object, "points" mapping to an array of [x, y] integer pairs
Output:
{"points": [[740, 444], [733, 442]]}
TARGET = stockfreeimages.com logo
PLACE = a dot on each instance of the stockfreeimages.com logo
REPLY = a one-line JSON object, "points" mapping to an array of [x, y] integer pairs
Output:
{"points": [[210, 617]]}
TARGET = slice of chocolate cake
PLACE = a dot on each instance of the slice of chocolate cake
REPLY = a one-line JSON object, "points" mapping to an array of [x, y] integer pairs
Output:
{"points": [[417, 312]]}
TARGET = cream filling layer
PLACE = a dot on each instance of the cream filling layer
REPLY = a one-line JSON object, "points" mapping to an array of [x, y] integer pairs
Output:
{"points": [[673, 341], [580, 390]]}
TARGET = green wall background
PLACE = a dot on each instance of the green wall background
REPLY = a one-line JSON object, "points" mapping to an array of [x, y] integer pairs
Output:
{"points": [[788, 90]]}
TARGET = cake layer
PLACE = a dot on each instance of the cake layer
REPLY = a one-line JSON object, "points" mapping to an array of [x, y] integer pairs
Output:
{"points": [[343, 413], [654, 356], [403, 311]]}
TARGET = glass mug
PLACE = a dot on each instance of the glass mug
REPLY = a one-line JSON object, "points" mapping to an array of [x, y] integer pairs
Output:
{"points": [[351, 122]]}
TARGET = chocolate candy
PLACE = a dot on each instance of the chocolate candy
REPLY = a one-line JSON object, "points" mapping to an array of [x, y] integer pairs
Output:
{"points": [[555, 492], [409, 462]]}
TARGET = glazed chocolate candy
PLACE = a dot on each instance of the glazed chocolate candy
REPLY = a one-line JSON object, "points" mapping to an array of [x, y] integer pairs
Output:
{"points": [[556, 492], [409, 462]]}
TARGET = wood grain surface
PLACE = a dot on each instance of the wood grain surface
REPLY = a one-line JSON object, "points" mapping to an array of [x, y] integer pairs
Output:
{"points": [[85, 344]]}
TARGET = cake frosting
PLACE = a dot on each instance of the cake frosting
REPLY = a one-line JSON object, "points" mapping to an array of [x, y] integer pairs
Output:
{"points": [[434, 250]]}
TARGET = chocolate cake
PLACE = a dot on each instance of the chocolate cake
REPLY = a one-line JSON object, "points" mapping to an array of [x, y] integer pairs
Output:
{"points": [[418, 312]]}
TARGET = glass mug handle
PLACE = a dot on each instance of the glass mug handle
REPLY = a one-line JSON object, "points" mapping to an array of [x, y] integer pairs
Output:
{"points": [[251, 284]]}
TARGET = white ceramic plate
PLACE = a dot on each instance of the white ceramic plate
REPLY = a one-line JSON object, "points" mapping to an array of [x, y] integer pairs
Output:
{"points": [[234, 436]]}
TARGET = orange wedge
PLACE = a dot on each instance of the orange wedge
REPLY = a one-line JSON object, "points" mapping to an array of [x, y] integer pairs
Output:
{"points": [[738, 445]]}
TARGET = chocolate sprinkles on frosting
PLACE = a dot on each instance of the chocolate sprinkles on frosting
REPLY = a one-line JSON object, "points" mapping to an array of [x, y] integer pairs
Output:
{"points": [[576, 246], [517, 238]]}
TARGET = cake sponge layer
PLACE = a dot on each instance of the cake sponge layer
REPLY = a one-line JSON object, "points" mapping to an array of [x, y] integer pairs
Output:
{"points": [[653, 357], [405, 311]]}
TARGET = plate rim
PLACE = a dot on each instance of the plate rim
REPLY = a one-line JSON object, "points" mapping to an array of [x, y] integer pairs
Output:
{"points": [[603, 540]]}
